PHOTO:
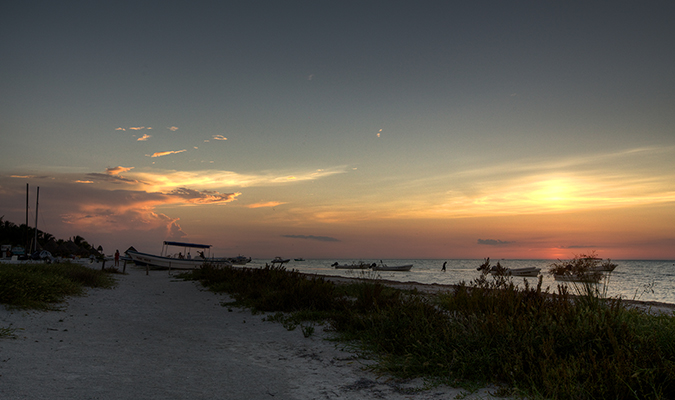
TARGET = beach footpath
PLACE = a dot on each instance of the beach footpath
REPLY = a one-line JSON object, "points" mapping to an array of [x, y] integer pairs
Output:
{"points": [[158, 337]]}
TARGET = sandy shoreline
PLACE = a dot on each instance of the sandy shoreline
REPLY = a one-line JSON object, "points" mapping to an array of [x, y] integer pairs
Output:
{"points": [[155, 337]]}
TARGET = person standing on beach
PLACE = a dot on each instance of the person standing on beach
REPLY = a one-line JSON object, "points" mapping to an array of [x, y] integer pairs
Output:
{"points": [[443, 269], [117, 258]]}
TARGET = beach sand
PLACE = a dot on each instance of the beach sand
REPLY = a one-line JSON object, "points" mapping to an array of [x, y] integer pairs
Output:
{"points": [[156, 337]]}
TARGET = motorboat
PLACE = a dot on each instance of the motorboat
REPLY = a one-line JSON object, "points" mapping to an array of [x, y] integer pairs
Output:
{"points": [[280, 261], [355, 265], [582, 268], [502, 271], [239, 260], [167, 260], [385, 267], [526, 271]]}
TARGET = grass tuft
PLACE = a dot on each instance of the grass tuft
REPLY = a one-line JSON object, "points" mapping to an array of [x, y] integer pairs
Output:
{"points": [[42, 286]]}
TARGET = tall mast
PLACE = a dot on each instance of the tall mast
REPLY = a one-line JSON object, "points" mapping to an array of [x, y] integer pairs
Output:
{"points": [[25, 230], [37, 202]]}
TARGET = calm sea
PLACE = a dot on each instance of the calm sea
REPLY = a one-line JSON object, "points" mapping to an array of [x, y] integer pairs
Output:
{"points": [[631, 280]]}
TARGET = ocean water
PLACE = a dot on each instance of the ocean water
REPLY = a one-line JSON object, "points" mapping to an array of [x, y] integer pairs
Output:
{"points": [[631, 280]]}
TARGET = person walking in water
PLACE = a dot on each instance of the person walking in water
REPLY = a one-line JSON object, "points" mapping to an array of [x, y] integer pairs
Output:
{"points": [[443, 269]]}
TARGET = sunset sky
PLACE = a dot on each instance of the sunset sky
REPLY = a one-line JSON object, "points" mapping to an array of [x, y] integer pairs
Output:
{"points": [[344, 129]]}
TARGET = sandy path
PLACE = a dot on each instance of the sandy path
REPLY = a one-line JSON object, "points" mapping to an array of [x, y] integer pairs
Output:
{"points": [[154, 337]]}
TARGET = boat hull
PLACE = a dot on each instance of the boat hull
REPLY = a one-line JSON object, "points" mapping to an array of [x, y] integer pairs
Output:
{"points": [[403, 268], [528, 272], [361, 265], [155, 261]]}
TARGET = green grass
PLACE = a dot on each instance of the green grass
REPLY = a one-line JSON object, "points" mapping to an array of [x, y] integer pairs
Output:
{"points": [[43, 286], [526, 340]]}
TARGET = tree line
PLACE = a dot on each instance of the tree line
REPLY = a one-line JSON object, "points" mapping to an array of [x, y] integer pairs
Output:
{"points": [[24, 236]]}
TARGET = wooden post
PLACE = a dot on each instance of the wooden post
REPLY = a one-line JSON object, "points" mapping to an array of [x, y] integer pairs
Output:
{"points": [[103, 265], [125, 266]]}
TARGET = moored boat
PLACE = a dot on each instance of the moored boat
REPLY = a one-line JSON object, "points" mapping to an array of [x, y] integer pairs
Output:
{"points": [[180, 261], [356, 265], [527, 271], [502, 271], [385, 267], [239, 260], [280, 261]]}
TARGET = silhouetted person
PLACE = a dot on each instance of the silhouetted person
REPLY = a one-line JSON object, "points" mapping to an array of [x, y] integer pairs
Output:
{"points": [[117, 258], [443, 269]]}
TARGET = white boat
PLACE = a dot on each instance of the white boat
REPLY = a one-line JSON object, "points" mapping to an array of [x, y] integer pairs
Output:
{"points": [[239, 260], [499, 270], [280, 261], [179, 261], [385, 267], [359, 265]]}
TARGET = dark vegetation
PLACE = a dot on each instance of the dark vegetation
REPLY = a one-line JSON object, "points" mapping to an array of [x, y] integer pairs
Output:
{"points": [[526, 340], [43, 286], [22, 235]]}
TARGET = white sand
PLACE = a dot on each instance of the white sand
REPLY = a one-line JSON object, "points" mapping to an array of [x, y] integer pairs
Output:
{"points": [[155, 337]]}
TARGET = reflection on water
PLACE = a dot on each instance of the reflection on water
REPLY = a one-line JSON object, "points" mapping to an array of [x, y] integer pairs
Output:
{"points": [[639, 280]]}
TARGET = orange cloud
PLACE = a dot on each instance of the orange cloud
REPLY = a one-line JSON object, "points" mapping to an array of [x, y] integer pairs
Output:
{"points": [[172, 128], [203, 197], [144, 138], [266, 204], [117, 170], [165, 153], [219, 137]]}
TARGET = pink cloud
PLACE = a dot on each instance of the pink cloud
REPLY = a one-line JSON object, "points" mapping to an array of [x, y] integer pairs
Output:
{"points": [[165, 153], [266, 204], [117, 170]]}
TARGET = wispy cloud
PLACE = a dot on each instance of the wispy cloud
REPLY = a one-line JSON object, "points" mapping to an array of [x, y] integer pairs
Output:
{"points": [[165, 153], [110, 178], [629, 178], [144, 138], [117, 170], [172, 128], [312, 237], [163, 180], [493, 242], [219, 137], [138, 128], [266, 204], [203, 197]]}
